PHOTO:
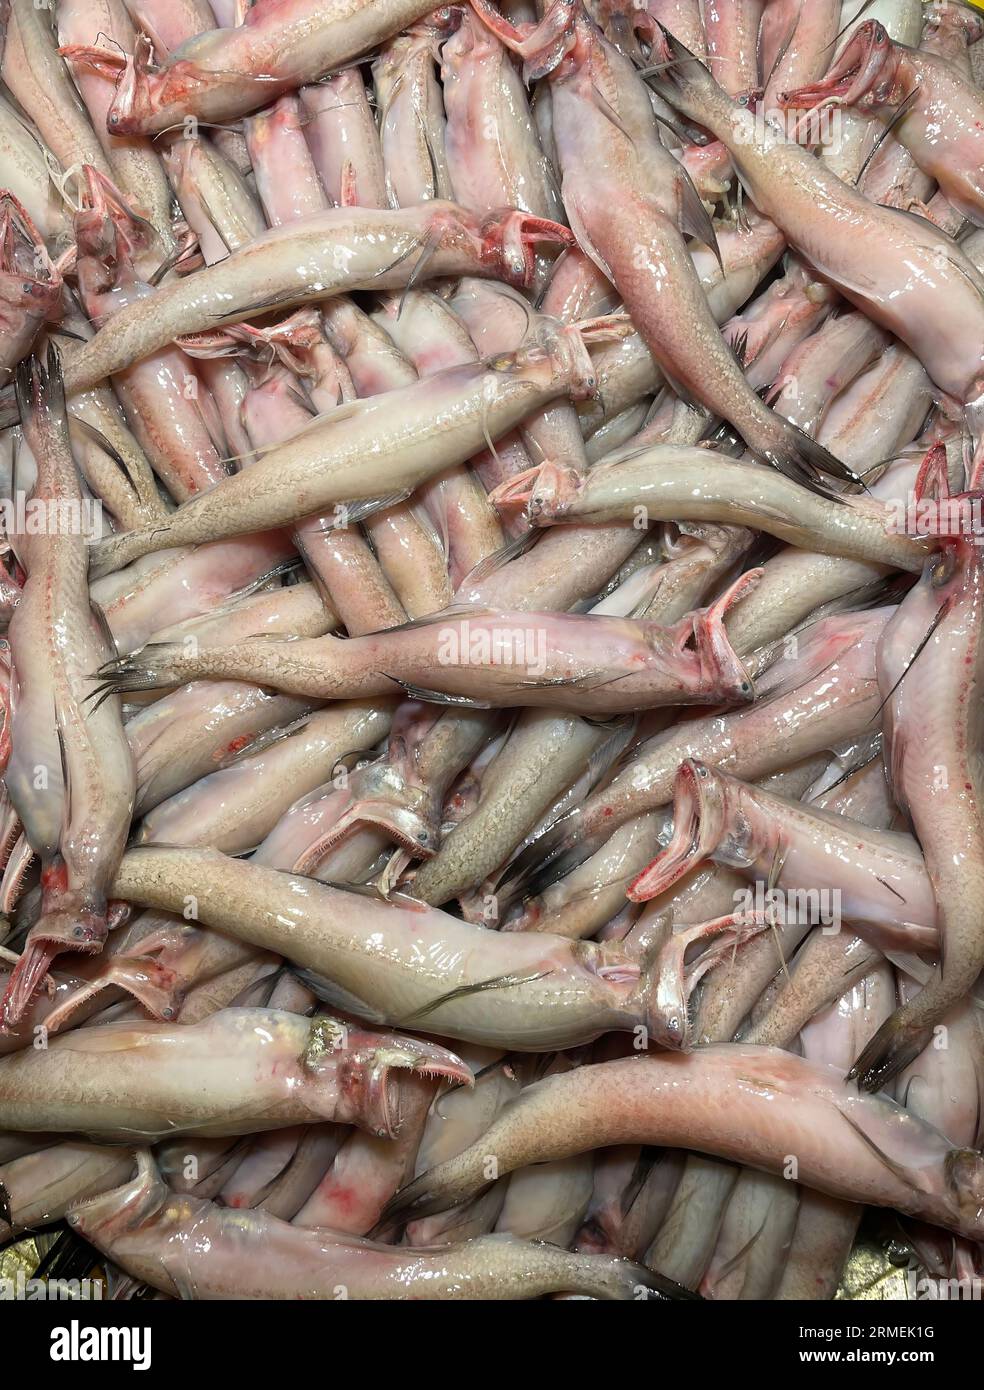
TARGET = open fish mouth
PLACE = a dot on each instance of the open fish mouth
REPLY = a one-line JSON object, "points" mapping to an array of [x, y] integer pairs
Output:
{"points": [[55, 933], [863, 71], [414, 1055]]}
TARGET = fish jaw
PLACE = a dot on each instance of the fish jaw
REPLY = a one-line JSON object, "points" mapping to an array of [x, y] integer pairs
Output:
{"points": [[674, 978], [363, 1062], [148, 100], [865, 76], [508, 241], [392, 794], [55, 933], [963, 1172], [415, 830], [155, 986], [720, 667], [134, 77], [545, 493], [700, 811], [108, 232], [123, 1209], [30, 285], [544, 46]]}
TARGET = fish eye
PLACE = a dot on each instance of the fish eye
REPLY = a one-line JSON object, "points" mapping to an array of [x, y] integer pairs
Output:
{"points": [[942, 572]]}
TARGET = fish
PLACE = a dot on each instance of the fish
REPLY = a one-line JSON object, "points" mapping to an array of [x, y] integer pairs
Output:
{"points": [[678, 1099], [939, 109], [899, 269], [928, 664], [336, 250], [582, 663], [133, 1223], [71, 777], [221, 74], [530, 991], [238, 1072]]}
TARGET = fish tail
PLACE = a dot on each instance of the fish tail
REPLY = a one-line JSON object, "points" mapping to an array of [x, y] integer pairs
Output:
{"points": [[804, 461], [898, 1042], [152, 667], [115, 552]]}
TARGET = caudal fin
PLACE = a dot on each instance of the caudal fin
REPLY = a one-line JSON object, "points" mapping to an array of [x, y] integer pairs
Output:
{"points": [[898, 1042], [114, 553], [803, 460]]}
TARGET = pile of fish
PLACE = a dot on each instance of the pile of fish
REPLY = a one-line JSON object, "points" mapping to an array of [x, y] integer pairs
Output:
{"points": [[493, 579]]}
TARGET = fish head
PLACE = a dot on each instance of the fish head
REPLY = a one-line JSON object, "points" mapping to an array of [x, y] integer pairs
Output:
{"points": [[545, 493], [365, 1063], [507, 241], [434, 27], [671, 970], [964, 1176], [122, 1210], [865, 76], [543, 47], [701, 814], [291, 342], [29, 282], [566, 344], [395, 59], [104, 200], [139, 91], [138, 85], [109, 236], [469, 43], [954, 573], [951, 519], [627, 26], [956, 18], [391, 796], [66, 928], [413, 828], [717, 668], [387, 793]]}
